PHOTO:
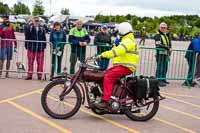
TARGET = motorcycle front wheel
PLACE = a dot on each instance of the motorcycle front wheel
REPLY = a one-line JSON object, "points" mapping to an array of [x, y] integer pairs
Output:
{"points": [[59, 108]]}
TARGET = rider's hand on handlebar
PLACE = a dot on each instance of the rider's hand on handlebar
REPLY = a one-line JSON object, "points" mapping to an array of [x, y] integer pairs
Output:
{"points": [[98, 57]]}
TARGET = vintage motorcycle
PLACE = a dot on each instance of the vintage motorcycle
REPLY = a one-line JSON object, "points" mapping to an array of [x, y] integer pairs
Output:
{"points": [[136, 97]]}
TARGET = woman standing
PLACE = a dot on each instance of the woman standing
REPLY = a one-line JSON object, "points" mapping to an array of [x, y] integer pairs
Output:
{"points": [[56, 37]]}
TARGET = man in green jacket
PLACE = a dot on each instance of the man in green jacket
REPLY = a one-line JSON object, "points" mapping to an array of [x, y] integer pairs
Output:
{"points": [[79, 38]]}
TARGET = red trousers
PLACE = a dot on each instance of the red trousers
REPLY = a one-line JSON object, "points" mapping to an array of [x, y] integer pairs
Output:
{"points": [[111, 76], [40, 61]]}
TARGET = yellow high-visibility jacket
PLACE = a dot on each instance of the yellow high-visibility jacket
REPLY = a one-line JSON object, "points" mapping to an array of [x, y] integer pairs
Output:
{"points": [[125, 54]]}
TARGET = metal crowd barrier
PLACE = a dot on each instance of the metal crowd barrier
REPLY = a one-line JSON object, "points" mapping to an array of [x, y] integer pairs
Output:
{"points": [[177, 64], [91, 50], [19, 62]]}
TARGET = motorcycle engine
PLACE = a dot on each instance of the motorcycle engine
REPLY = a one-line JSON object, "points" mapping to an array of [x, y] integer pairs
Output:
{"points": [[115, 105]]}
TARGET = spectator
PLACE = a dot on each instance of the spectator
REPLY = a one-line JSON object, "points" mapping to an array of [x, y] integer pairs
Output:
{"points": [[103, 38], [143, 35], [190, 57], [6, 46], [79, 38], [56, 37], [34, 48], [163, 43]]}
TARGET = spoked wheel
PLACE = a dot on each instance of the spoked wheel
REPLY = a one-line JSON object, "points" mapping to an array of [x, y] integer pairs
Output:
{"points": [[57, 107], [142, 112]]}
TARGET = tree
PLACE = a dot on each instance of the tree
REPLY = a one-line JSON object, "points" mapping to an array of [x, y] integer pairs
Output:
{"points": [[128, 16], [21, 8], [102, 19], [197, 23], [65, 11], [38, 8], [4, 9], [120, 19], [134, 22]]}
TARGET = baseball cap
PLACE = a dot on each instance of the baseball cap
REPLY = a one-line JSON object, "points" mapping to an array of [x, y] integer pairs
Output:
{"points": [[104, 26]]}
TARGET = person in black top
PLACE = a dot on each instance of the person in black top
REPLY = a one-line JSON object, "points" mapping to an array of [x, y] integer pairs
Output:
{"points": [[103, 42]]}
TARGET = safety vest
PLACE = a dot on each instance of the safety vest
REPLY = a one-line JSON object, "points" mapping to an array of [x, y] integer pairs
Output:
{"points": [[125, 54], [164, 39], [78, 33]]}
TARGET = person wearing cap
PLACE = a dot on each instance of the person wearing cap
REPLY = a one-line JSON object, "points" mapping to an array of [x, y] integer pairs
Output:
{"points": [[57, 36], [103, 42], [143, 35], [6, 46], [35, 48], [79, 38], [125, 59], [190, 57], [163, 52]]}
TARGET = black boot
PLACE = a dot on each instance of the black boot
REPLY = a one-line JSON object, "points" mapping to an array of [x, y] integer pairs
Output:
{"points": [[101, 105], [162, 84], [166, 82]]}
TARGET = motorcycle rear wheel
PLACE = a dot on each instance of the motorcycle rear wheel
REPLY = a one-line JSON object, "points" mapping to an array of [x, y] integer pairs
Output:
{"points": [[137, 115]]}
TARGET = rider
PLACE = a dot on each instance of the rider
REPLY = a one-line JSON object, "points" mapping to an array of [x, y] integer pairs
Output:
{"points": [[125, 59]]}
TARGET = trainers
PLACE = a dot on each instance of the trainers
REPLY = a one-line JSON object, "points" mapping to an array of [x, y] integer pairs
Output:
{"points": [[28, 78], [162, 84], [166, 82], [101, 105]]}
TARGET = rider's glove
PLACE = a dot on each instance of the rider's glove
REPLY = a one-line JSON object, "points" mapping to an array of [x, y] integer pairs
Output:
{"points": [[98, 57]]}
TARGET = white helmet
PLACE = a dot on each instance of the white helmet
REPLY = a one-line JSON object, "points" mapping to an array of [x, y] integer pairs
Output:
{"points": [[124, 28]]}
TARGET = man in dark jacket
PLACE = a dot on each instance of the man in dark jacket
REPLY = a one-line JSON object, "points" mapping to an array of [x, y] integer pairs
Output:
{"points": [[34, 32], [163, 43], [193, 48], [104, 39], [79, 38]]}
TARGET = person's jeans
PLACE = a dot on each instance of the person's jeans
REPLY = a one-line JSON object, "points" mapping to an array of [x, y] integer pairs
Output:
{"points": [[197, 71]]}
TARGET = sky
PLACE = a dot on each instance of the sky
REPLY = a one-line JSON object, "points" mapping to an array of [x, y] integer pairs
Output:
{"points": [[118, 7]]}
